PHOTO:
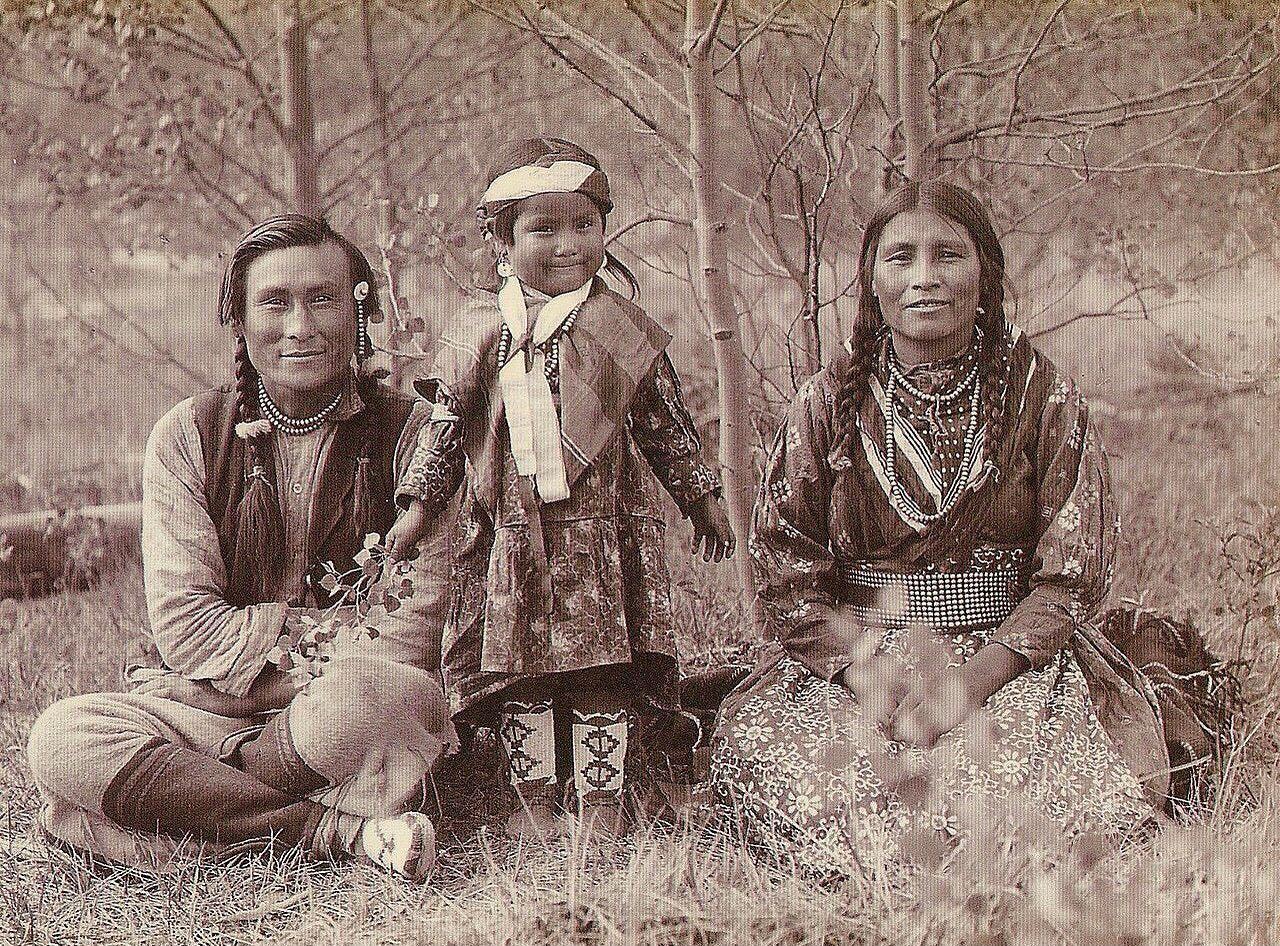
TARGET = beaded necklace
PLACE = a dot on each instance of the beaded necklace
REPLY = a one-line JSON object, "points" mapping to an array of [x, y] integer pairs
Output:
{"points": [[551, 357], [294, 426], [905, 505]]}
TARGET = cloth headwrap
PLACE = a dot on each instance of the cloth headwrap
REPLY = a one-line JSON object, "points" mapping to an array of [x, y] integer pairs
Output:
{"points": [[548, 176], [531, 414]]}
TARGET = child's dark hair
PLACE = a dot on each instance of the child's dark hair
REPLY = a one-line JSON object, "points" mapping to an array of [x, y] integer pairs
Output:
{"points": [[258, 547], [500, 223]]}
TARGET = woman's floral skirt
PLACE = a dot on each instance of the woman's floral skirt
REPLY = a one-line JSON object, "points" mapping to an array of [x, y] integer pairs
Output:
{"points": [[812, 785]]}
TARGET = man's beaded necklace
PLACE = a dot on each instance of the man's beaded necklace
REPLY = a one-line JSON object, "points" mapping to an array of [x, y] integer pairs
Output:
{"points": [[907, 506], [294, 426]]}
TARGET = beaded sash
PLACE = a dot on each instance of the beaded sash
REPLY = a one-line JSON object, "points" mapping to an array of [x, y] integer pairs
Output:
{"points": [[972, 598]]}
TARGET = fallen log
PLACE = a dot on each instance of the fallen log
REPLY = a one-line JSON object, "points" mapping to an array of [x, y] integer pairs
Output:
{"points": [[57, 548]]}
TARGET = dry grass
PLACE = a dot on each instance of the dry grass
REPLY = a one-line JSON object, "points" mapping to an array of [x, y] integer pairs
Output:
{"points": [[1198, 485]]}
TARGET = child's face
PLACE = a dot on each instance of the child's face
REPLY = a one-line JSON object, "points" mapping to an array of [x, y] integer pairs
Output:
{"points": [[558, 242]]}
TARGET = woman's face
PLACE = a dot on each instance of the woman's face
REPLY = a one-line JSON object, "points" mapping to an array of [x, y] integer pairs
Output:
{"points": [[926, 277], [300, 323], [558, 242]]}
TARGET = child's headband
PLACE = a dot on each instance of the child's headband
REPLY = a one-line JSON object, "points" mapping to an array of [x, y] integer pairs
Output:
{"points": [[560, 177]]}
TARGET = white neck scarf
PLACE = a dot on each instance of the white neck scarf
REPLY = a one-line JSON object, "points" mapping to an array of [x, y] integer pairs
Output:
{"points": [[532, 421]]}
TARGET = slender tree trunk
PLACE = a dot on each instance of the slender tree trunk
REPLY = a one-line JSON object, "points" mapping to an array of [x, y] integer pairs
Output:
{"points": [[714, 290], [917, 114], [388, 191], [13, 299], [887, 79], [295, 90]]}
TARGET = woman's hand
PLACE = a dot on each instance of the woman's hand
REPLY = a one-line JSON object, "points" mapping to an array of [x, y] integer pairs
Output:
{"points": [[932, 710], [935, 707], [409, 528], [711, 530], [271, 691], [879, 685]]}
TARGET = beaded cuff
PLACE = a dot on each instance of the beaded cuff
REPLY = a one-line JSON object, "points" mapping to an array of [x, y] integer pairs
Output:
{"points": [[689, 480], [436, 470]]}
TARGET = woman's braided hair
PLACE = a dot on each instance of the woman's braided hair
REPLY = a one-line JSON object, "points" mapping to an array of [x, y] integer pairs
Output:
{"points": [[957, 204], [258, 546]]}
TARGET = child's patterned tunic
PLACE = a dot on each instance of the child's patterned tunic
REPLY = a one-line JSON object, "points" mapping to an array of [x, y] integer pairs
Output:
{"points": [[604, 545]]}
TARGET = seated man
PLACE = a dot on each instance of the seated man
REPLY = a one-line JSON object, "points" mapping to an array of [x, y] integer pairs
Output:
{"points": [[248, 491]]}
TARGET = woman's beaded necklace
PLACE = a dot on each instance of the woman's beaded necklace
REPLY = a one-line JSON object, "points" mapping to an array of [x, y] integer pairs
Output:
{"points": [[907, 506], [294, 426]]}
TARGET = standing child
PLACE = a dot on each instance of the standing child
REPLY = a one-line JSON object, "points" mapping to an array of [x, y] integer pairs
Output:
{"points": [[551, 391]]}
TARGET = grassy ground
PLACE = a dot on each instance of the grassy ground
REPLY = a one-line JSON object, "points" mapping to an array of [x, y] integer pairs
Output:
{"points": [[1197, 482]]}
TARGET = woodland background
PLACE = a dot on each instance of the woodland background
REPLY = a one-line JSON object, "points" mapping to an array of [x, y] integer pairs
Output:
{"points": [[1127, 150]]}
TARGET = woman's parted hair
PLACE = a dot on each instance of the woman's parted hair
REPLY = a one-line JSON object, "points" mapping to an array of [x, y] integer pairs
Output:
{"points": [[499, 223], [959, 205], [258, 546]]}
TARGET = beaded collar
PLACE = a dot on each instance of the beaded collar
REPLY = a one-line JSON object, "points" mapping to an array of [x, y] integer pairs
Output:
{"points": [[346, 403], [942, 380]]}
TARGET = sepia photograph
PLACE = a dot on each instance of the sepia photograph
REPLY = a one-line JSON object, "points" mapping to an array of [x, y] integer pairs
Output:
{"points": [[638, 472]]}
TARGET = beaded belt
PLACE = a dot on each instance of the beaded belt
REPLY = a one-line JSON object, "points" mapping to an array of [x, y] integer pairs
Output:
{"points": [[937, 599]]}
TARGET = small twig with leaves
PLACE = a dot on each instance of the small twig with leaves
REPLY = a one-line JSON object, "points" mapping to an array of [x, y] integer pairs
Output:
{"points": [[362, 596]]}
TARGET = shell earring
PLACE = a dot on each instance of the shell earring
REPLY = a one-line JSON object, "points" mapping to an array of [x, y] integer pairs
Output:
{"points": [[505, 269], [364, 344]]}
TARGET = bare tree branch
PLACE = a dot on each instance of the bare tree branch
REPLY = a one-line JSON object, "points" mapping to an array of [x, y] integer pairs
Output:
{"points": [[759, 28], [648, 218], [246, 69]]}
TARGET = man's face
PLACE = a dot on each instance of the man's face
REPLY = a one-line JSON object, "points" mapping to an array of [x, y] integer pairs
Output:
{"points": [[300, 323]]}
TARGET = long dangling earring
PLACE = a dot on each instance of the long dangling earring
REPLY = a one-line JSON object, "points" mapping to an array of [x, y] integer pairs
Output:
{"points": [[505, 269], [364, 344]]}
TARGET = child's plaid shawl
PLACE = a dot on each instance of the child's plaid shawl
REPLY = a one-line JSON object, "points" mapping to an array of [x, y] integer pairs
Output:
{"points": [[610, 350]]}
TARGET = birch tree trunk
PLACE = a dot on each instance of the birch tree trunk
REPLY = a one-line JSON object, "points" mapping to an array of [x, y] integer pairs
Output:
{"points": [[299, 119], [388, 191], [913, 93], [888, 81], [713, 287]]}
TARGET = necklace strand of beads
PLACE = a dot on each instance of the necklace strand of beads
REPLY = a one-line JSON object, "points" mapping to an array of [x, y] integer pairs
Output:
{"points": [[551, 347], [901, 501], [294, 426]]}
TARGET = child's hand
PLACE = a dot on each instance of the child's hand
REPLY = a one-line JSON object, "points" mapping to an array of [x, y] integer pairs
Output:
{"points": [[711, 530], [410, 526]]}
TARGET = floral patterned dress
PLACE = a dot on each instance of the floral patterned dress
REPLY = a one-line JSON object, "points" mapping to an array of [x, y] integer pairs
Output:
{"points": [[1024, 560], [610, 608]]}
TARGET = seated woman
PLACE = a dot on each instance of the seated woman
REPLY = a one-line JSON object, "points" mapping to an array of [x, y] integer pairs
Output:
{"points": [[249, 492], [935, 534]]}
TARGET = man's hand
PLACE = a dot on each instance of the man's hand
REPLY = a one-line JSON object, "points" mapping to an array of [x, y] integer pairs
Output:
{"points": [[198, 694], [711, 530], [271, 691]]}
